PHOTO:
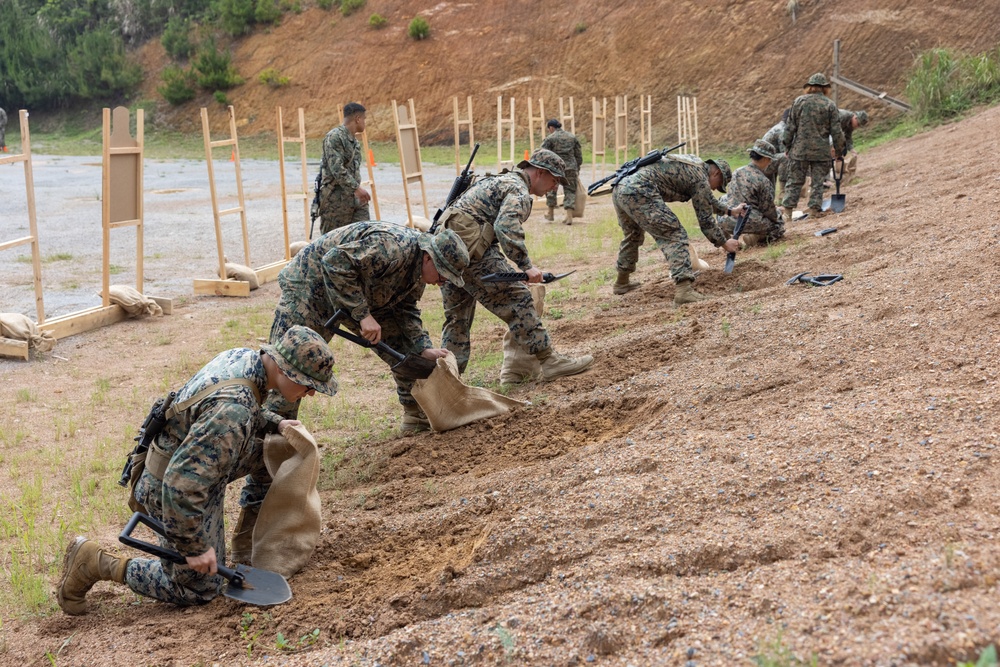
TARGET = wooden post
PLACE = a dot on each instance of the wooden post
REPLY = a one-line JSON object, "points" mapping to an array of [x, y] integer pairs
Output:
{"points": [[303, 195], [645, 124], [687, 123], [836, 69], [565, 118], [409, 154], [600, 120], [459, 163], [621, 129], [501, 123]]}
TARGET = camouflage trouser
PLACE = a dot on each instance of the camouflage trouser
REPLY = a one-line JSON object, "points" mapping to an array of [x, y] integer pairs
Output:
{"points": [[641, 209], [511, 302], [178, 584], [339, 208], [777, 172], [293, 311], [798, 170], [569, 191], [756, 224]]}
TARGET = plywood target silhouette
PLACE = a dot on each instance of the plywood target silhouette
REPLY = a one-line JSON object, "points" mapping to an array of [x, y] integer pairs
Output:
{"points": [[408, 141]]}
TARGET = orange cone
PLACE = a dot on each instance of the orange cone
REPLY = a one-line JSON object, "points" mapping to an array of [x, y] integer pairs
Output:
{"points": [[232, 156], [371, 157], [526, 156]]}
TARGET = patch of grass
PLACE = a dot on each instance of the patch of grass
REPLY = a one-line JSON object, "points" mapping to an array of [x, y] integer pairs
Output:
{"points": [[419, 28], [775, 654], [988, 658], [377, 21], [726, 327], [55, 257], [115, 269], [273, 78], [348, 7], [25, 396], [775, 251]]}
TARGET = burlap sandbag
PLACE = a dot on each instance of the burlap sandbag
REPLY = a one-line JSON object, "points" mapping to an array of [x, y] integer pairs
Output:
{"points": [[448, 403], [581, 199], [697, 263], [518, 363], [296, 247], [133, 302], [421, 223], [287, 528], [20, 327], [244, 273]]}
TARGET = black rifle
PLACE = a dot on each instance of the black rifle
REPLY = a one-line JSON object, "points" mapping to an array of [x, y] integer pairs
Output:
{"points": [[631, 167], [151, 427], [314, 209], [737, 230], [461, 184]]}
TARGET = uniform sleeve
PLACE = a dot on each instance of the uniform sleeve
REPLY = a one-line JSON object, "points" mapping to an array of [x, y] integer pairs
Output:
{"points": [[836, 132], [547, 143], [202, 462], [704, 205], [338, 154], [347, 268], [791, 127], [578, 154], [509, 232]]}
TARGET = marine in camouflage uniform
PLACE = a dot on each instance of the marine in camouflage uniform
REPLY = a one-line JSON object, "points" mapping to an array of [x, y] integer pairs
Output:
{"points": [[751, 185], [777, 170], [201, 450], [342, 200], [370, 269], [812, 122], [567, 147], [849, 121], [497, 206], [640, 202]]}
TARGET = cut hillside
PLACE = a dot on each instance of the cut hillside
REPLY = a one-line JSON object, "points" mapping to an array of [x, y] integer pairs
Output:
{"points": [[778, 471], [745, 60]]}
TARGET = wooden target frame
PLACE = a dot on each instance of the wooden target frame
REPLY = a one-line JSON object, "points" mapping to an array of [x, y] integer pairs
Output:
{"points": [[459, 123], [408, 141], [531, 123], [621, 129], [286, 196], [645, 124], [565, 118], [600, 127], [687, 124], [503, 123], [10, 347]]}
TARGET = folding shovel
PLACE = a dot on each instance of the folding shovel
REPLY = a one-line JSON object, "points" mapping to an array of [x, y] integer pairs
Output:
{"points": [[247, 584], [520, 276], [409, 366], [838, 201]]}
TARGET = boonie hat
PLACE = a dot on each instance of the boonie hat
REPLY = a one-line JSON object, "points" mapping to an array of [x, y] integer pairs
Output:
{"points": [[862, 117], [764, 148], [305, 358], [547, 160], [817, 79], [449, 254], [727, 173]]}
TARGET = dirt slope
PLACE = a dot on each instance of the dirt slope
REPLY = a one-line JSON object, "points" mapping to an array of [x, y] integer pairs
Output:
{"points": [[744, 59], [817, 465]]}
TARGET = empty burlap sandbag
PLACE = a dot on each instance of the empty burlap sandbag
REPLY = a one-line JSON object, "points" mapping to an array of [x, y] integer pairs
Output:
{"points": [[421, 223], [294, 248], [244, 273], [581, 199], [20, 327], [448, 403], [697, 263], [518, 363], [132, 301], [287, 528]]}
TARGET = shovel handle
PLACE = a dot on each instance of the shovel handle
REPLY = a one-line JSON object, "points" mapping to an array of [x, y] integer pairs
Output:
{"points": [[364, 342], [234, 577]]}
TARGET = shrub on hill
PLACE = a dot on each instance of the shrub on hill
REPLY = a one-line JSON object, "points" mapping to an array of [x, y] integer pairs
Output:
{"points": [[175, 39], [419, 28], [267, 12], [214, 68], [348, 7], [377, 21], [178, 85], [943, 83]]}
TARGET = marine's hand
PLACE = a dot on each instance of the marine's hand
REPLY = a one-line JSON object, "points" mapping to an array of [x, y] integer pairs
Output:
{"points": [[737, 211], [371, 330], [732, 245], [205, 563], [286, 423], [534, 275], [433, 353], [362, 195]]}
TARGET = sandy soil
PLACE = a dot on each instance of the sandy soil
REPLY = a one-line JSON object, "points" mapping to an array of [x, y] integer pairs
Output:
{"points": [[809, 466]]}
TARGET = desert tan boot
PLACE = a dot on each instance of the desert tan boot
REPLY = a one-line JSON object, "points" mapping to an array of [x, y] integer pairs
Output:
{"points": [[787, 212], [414, 420], [568, 220], [85, 565], [551, 215], [623, 285], [816, 213], [559, 365], [751, 240], [685, 293]]}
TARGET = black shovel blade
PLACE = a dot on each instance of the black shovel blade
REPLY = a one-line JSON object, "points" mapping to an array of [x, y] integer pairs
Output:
{"points": [[262, 588], [838, 202]]}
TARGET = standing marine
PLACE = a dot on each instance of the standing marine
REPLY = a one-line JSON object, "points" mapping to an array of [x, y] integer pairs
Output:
{"points": [[566, 146], [342, 200]]}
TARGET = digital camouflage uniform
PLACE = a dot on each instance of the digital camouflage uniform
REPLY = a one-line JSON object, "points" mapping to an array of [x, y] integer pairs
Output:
{"points": [[847, 125], [341, 176], [566, 146], [751, 186], [812, 122], [213, 443], [371, 268], [639, 200], [777, 171], [504, 203]]}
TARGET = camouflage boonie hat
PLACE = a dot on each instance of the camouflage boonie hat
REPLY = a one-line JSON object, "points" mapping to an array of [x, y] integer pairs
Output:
{"points": [[727, 173], [817, 79], [449, 254], [862, 117], [763, 148], [305, 358], [547, 160]]}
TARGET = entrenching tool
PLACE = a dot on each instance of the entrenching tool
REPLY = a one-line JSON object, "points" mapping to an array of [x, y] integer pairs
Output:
{"points": [[520, 276], [247, 584], [409, 366], [822, 280], [737, 230], [837, 201]]}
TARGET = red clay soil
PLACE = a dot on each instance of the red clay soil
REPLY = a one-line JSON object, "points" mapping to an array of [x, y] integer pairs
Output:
{"points": [[781, 470]]}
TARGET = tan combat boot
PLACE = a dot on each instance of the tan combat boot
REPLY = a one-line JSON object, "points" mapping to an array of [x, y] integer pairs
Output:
{"points": [[622, 285], [751, 240], [242, 548], [568, 220], [557, 365], [816, 213], [787, 212], [551, 215], [84, 566], [414, 420], [685, 293]]}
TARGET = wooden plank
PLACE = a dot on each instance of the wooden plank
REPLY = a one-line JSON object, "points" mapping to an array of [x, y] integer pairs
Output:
{"points": [[16, 242], [269, 272], [166, 304], [84, 320], [221, 287], [869, 92], [10, 347]]}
